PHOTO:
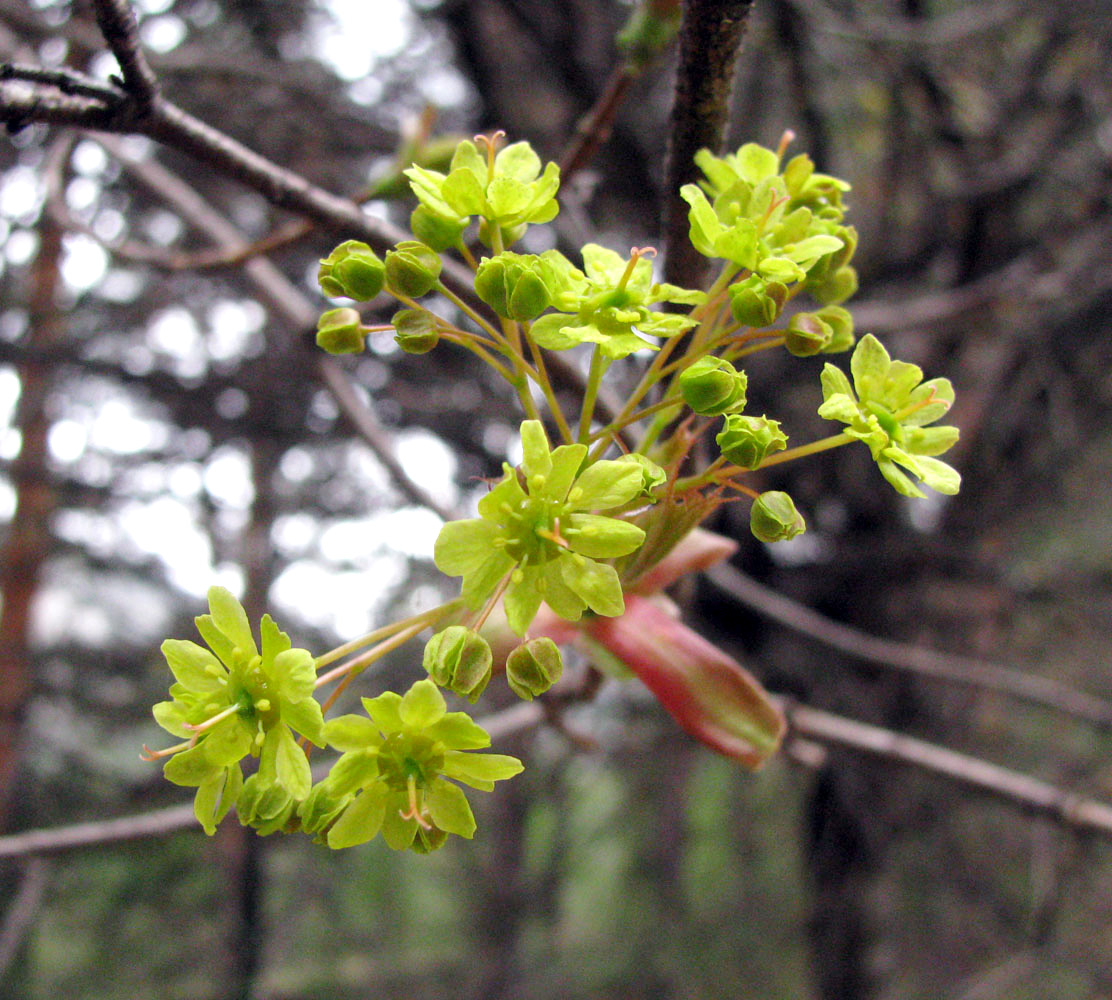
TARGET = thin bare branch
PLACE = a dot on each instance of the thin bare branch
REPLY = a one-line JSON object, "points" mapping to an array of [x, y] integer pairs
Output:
{"points": [[710, 36], [22, 910], [1031, 794], [118, 25], [912, 659], [287, 300], [159, 823]]}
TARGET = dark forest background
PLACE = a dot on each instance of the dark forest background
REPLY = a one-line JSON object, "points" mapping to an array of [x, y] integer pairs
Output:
{"points": [[167, 425]]}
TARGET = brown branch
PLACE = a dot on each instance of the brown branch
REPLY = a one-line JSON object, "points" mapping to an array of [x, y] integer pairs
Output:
{"points": [[159, 823], [912, 659], [23, 909], [1031, 794], [118, 25], [710, 36], [286, 300]]}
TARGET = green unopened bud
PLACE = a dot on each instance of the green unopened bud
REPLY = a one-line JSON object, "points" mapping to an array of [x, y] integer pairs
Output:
{"points": [[807, 334], [773, 517], [352, 270], [534, 667], [341, 331], [841, 323], [415, 330], [508, 284], [747, 441], [835, 287], [757, 302], [459, 659], [712, 386], [434, 230], [412, 269]]}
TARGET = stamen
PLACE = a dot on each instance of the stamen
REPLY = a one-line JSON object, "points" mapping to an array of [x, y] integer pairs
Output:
{"points": [[149, 754], [202, 727], [414, 812], [635, 254], [785, 141]]}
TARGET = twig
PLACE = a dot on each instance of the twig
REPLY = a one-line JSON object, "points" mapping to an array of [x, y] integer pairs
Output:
{"points": [[22, 910], [913, 659], [286, 300], [1031, 794], [159, 823], [117, 23], [710, 36]]}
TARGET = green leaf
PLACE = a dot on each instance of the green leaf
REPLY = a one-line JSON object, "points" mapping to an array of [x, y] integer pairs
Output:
{"points": [[228, 616], [422, 705], [449, 809], [361, 820]]}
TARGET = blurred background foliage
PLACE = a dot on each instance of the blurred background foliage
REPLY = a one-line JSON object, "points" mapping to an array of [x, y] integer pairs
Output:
{"points": [[163, 430]]}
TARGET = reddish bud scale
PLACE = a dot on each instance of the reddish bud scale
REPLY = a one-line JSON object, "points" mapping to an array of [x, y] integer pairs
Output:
{"points": [[707, 692]]}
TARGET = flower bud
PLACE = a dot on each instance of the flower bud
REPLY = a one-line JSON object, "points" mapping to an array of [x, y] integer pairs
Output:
{"points": [[440, 232], [841, 323], [459, 659], [534, 667], [807, 334], [712, 386], [757, 302], [341, 331], [415, 330], [834, 287], [352, 270], [773, 517], [412, 269], [747, 441], [508, 284]]}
